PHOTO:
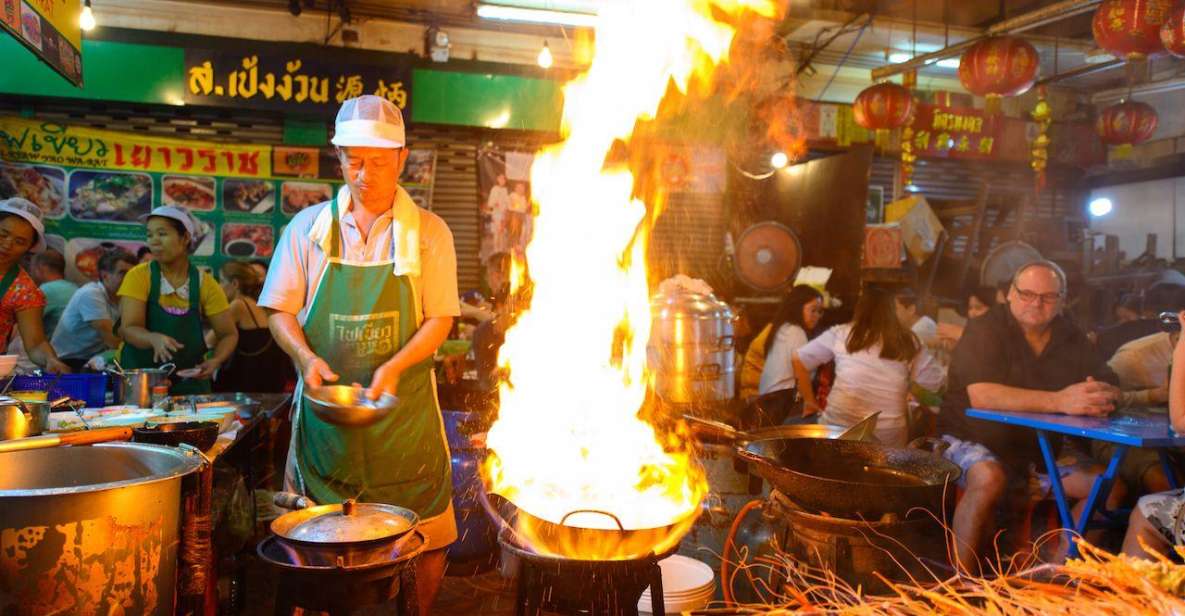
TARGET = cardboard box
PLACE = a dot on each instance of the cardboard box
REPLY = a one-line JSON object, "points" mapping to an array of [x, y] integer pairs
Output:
{"points": [[920, 228], [882, 247]]}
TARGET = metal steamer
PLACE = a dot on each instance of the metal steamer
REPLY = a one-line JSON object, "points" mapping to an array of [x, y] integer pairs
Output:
{"points": [[692, 348]]}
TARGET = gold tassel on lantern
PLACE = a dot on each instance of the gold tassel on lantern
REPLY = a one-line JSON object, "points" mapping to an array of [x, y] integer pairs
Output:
{"points": [[993, 103], [907, 157], [1042, 114]]}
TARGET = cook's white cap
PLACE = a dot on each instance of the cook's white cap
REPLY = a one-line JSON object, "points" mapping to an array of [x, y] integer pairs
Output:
{"points": [[28, 211], [369, 121], [180, 215]]}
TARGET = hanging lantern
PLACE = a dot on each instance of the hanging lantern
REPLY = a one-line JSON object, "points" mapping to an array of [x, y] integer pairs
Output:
{"points": [[882, 108], [1130, 28], [1126, 124], [1042, 114], [1172, 32], [998, 66]]}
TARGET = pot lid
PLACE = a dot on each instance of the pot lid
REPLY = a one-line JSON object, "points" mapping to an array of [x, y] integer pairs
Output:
{"points": [[353, 522]]}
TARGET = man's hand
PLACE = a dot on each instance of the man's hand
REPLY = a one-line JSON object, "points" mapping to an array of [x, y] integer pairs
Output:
{"points": [[163, 347], [316, 372], [386, 380], [54, 365], [1092, 398]]}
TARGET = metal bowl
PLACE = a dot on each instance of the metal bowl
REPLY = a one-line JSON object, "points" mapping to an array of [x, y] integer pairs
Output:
{"points": [[344, 405]]}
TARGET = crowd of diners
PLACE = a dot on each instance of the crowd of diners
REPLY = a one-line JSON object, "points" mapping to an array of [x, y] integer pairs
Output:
{"points": [[142, 311], [1017, 350]]}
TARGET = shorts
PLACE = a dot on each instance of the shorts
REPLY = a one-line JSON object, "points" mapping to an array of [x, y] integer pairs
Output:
{"points": [[968, 453], [1163, 510]]}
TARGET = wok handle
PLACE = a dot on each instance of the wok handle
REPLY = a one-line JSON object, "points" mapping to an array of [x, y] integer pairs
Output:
{"points": [[288, 500], [616, 519], [100, 435]]}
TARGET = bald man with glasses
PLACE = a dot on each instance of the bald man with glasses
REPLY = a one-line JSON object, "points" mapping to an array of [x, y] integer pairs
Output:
{"points": [[1023, 355]]}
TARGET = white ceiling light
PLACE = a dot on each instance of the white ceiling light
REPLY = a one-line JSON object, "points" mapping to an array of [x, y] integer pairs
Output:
{"points": [[1101, 207], [539, 16], [544, 59], [948, 63], [86, 19], [779, 160], [898, 57]]}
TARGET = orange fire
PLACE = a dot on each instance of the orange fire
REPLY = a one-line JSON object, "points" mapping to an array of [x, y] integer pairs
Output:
{"points": [[569, 441]]}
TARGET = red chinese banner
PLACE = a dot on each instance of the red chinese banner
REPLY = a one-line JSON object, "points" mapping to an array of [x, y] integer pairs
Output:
{"points": [[954, 132]]}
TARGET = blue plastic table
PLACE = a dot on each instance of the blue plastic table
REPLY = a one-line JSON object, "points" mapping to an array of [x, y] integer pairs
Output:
{"points": [[1125, 429]]}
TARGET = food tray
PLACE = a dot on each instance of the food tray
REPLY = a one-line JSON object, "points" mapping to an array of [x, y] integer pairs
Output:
{"points": [[243, 406], [90, 388]]}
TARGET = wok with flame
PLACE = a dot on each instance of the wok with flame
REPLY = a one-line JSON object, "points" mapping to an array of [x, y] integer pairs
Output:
{"points": [[589, 478]]}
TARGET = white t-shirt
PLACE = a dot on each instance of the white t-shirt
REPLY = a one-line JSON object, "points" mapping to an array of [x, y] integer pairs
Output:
{"points": [[866, 383], [778, 373]]}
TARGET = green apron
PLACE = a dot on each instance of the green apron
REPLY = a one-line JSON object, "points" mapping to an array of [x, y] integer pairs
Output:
{"points": [[361, 314], [184, 328]]}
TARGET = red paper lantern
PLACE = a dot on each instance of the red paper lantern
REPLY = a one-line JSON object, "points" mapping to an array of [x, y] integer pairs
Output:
{"points": [[1172, 32], [999, 66], [1130, 28], [884, 106], [1127, 123]]}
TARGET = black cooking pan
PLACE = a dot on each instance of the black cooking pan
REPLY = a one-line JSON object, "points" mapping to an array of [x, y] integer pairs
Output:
{"points": [[854, 479]]}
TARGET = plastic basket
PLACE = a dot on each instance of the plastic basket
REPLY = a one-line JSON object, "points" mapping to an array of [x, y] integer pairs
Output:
{"points": [[91, 388]]}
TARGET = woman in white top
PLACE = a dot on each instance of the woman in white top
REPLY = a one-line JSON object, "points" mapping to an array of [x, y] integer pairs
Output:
{"points": [[876, 359], [792, 326]]}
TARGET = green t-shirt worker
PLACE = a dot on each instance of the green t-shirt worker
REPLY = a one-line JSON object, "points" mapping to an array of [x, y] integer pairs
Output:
{"points": [[363, 289]]}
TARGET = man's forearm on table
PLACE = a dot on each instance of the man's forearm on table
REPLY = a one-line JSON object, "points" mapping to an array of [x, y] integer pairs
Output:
{"points": [[1004, 398]]}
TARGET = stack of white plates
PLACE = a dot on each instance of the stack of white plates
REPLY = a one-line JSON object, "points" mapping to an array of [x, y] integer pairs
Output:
{"points": [[687, 584]]}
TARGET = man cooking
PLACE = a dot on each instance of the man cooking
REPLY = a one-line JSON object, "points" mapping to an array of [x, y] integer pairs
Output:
{"points": [[363, 289]]}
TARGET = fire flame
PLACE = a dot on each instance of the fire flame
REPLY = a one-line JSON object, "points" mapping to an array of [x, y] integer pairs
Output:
{"points": [[568, 436]]}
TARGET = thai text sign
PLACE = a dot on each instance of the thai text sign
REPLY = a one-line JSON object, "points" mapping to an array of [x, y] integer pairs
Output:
{"points": [[289, 83], [32, 141], [953, 132]]}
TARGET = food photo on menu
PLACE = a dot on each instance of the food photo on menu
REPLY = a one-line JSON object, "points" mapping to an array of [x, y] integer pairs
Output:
{"points": [[296, 196], [242, 240], [194, 193], [42, 185], [110, 196], [252, 196], [82, 255]]}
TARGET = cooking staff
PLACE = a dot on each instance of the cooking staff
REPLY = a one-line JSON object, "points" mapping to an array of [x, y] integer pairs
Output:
{"points": [[21, 302], [162, 303], [363, 289]]}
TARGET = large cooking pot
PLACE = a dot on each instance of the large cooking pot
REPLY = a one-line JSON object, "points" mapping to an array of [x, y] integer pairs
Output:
{"points": [[91, 530], [23, 418], [135, 386], [585, 534], [854, 479], [349, 534], [691, 349]]}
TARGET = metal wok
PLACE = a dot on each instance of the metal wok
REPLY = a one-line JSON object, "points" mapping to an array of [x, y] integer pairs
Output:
{"points": [[854, 479], [574, 536], [344, 535]]}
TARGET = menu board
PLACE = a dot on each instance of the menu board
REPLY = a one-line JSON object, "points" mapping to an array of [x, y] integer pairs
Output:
{"points": [[95, 186], [49, 28]]}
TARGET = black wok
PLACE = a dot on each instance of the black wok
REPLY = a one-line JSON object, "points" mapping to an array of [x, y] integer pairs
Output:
{"points": [[854, 479]]}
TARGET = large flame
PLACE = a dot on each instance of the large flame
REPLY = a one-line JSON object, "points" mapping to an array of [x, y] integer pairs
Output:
{"points": [[568, 436]]}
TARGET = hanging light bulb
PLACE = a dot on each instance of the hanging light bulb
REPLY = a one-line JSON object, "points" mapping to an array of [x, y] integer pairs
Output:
{"points": [[86, 20], [545, 59], [779, 160]]}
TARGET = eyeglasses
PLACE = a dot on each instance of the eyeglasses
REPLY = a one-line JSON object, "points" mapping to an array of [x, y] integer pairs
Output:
{"points": [[1029, 297]]}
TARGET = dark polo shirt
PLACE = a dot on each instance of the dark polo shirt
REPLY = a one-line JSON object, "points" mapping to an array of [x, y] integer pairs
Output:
{"points": [[993, 350]]}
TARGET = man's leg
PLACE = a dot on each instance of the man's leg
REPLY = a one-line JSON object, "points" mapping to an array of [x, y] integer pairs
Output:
{"points": [[986, 483], [1077, 484], [429, 573]]}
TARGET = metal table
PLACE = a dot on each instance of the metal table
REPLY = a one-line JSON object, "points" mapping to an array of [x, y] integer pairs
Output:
{"points": [[1124, 429]]}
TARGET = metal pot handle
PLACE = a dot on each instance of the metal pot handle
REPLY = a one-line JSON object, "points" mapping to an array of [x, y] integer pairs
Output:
{"points": [[709, 371], [727, 342], [752, 458], [169, 368], [616, 519]]}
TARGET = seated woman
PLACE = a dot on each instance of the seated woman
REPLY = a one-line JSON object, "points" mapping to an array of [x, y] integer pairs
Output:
{"points": [[162, 304], [21, 302], [792, 327], [258, 363], [1157, 523], [876, 359]]}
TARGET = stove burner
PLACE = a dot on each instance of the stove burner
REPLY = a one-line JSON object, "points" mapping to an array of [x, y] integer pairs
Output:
{"points": [[340, 590], [593, 587]]}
